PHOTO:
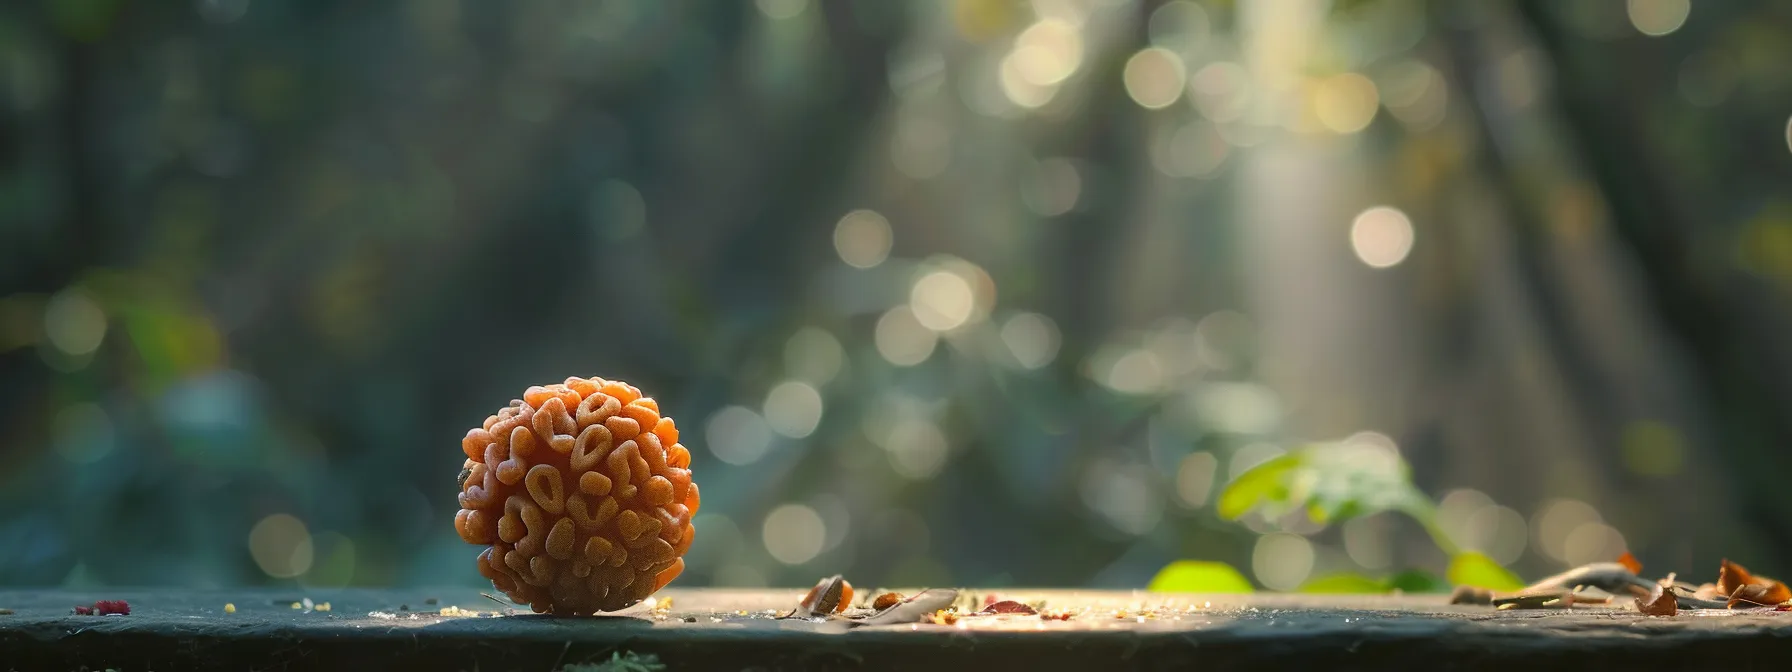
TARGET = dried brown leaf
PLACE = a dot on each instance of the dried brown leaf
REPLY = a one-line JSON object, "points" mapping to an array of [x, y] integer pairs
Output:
{"points": [[1748, 590], [1731, 576], [1008, 607], [1778, 593], [1660, 602], [886, 600], [1630, 562], [1759, 595]]}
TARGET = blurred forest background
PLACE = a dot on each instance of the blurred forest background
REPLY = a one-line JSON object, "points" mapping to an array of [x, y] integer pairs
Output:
{"points": [[992, 292]]}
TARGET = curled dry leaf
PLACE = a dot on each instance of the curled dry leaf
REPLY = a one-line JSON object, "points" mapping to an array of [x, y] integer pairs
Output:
{"points": [[1660, 602], [829, 595], [1630, 562], [1746, 590], [1731, 576], [1008, 607], [914, 609]]}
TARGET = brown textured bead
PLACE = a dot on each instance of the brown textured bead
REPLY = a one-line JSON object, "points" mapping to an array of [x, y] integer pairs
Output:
{"points": [[582, 494]]}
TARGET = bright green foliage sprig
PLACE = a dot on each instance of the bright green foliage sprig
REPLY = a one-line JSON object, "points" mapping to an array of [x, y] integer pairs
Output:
{"points": [[1332, 482]]}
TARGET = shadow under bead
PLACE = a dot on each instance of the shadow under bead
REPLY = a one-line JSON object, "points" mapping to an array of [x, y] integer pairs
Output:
{"points": [[583, 495]]}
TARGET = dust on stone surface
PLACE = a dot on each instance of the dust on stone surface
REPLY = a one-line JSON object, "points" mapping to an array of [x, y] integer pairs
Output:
{"points": [[1053, 611]]}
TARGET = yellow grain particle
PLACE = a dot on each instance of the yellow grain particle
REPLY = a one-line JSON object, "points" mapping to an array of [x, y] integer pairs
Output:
{"points": [[229, 608]]}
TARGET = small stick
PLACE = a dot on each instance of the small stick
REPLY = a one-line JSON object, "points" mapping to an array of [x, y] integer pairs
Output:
{"points": [[1614, 578], [508, 610]]}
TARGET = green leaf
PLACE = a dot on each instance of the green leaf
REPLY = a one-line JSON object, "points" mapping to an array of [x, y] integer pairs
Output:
{"points": [[1199, 576], [1331, 482], [1417, 581], [1474, 569], [1344, 583], [1252, 488]]}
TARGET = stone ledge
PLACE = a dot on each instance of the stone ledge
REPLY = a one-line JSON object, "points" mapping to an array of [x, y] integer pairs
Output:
{"points": [[367, 629]]}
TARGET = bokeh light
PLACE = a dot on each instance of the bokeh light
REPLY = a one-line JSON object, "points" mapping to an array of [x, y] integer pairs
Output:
{"points": [[1282, 561], [1557, 520], [916, 446], [794, 534], [1180, 26], [1653, 449], [1194, 478], [1195, 149], [942, 300], [1222, 90], [1346, 103], [862, 238], [1122, 495], [793, 408], [1131, 371], [1593, 542], [281, 546], [1367, 541], [737, 435], [814, 356], [74, 323], [1656, 18], [1047, 52], [1154, 78], [1381, 236], [781, 9], [1032, 339], [902, 339]]}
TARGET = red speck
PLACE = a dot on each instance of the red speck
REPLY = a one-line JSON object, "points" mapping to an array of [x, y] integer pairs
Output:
{"points": [[83, 611], [109, 607], [1783, 607], [1055, 616]]}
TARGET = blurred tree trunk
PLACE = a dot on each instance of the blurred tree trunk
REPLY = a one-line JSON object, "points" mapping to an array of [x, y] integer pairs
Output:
{"points": [[1693, 295]]}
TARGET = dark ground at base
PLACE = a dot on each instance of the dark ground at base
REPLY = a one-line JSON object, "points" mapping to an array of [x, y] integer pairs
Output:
{"points": [[734, 630]]}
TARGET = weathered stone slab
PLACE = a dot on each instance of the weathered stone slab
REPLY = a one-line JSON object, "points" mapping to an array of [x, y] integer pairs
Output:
{"points": [[735, 630]]}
